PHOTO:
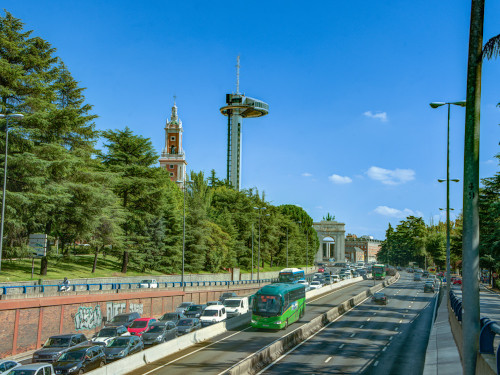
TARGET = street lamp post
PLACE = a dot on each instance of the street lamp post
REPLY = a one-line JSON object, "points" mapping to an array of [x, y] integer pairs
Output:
{"points": [[184, 183], [6, 117], [461, 103]]}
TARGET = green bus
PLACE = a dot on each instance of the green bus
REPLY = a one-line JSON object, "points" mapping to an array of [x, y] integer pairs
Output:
{"points": [[275, 306], [378, 271]]}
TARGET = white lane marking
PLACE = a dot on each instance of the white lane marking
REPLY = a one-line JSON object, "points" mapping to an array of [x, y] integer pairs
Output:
{"points": [[390, 338], [361, 326], [328, 359], [341, 346], [197, 350], [375, 364], [384, 348], [353, 335], [368, 319], [296, 346], [374, 313], [397, 328], [401, 321]]}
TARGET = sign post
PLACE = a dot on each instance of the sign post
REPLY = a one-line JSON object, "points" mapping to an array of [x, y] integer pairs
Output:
{"points": [[38, 244]]}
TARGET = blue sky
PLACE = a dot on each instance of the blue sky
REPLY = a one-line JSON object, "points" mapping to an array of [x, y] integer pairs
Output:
{"points": [[350, 130]]}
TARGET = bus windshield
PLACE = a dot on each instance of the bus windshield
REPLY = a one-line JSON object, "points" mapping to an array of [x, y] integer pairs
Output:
{"points": [[267, 305], [291, 275]]}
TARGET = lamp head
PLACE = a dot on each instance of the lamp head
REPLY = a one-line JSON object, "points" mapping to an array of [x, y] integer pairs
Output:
{"points": [[440, 180], [460, 103], [436, 104], [455, 180]]}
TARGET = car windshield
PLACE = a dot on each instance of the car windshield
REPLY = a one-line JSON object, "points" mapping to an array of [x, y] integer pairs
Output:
{"points": [[22, 372], [267, 305], [53, 342], [211, 303], [107, 332], [285, 277], [156, 329], [232, 302], [119, 319], [71, 356], [379, 295], [169, 316], [146, 281], [228, 295], [315, 283], [195, 308], [210, 313], [139, 324], [118, 343], [185, 322]]}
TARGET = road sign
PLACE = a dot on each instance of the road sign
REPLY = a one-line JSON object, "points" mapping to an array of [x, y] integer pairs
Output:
{"points": [[38, 243]]}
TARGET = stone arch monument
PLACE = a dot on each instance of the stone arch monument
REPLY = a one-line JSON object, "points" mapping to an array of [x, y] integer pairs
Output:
{"points": [[328, 248]]}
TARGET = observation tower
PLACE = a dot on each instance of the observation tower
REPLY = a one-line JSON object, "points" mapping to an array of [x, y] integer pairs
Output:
{"points": [[238, 106]]}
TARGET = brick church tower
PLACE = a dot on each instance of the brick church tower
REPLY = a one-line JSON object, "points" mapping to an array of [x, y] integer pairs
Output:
{"points": [[172, 157]]}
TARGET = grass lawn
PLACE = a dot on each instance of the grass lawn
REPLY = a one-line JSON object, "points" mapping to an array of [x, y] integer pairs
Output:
{"points": [[73, 267]]}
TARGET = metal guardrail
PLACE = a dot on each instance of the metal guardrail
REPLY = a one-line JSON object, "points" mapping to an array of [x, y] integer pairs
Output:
{"points": [[130, 285], [489, 329]]}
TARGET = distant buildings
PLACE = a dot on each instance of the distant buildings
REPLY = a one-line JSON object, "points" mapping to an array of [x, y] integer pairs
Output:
{"points": [[361, 248], [172, 157]]}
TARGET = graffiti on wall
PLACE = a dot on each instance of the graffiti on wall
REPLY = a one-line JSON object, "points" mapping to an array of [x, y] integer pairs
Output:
{"points": [[115, 308], [137, 307], [88, 318]]}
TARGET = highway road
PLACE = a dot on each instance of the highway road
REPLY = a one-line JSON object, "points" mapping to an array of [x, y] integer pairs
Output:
{"points": [[221, 353], [370, 339]]}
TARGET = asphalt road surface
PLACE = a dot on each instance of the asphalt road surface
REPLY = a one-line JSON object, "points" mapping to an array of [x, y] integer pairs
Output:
{"points": [[370, 339], [222, 352]]}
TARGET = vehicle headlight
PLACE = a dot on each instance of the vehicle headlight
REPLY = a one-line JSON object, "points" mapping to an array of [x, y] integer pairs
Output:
{"points": [[278, 322], [253, 321], [122, 353], [74, 368], [235, 310], [214, 320], [55, 355], [158, 338], [35, 356]]}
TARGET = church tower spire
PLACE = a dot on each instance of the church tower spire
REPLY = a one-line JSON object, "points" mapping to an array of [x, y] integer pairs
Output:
{"points": [[172, 157]]}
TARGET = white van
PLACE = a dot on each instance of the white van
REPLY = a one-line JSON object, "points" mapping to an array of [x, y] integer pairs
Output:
{"points": [[236, 306], [213, 314]]}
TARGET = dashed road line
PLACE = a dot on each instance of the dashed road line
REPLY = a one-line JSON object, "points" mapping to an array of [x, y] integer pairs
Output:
{"points": [[328, 359]]}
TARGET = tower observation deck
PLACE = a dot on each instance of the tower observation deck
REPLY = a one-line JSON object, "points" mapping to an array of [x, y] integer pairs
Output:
{"points": [[238, 107]]}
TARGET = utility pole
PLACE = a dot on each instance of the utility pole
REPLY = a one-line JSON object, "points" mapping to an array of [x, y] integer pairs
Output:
{"points": [[470, 241]]}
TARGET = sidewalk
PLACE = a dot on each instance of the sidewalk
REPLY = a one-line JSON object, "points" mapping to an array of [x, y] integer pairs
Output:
{"points": [[442, 354]]}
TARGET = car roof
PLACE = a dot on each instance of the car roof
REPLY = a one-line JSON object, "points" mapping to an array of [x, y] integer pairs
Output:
{"points": [[33, 366], [141, 319], [158, 323], [214, 307], [82, 347]]}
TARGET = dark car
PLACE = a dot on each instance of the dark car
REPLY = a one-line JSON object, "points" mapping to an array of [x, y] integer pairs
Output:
{"points": [[429, 287], [159, 332], [194, 311], [227, 295], [123, 346], [188, 325], [380, 298], [56, 345], [417, 277], [79, 360], [171, 317], [123, 319]]}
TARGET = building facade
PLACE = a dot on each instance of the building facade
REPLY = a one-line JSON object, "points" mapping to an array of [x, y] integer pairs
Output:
{"points": [[172, 157], [369, 247]]}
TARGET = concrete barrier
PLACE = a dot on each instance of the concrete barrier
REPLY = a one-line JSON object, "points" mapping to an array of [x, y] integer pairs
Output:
{"points": [[277, 348]]}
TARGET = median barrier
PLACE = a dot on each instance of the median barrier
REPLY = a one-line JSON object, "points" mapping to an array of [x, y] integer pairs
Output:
{"points": [[272, 351]]}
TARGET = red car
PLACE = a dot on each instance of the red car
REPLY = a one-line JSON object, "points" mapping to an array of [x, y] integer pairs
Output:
{"points": [[321, 269], [141, 325], [457, 281]]}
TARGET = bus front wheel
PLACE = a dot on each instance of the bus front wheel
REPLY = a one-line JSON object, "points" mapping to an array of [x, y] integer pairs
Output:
{"points": [[286, 324]]}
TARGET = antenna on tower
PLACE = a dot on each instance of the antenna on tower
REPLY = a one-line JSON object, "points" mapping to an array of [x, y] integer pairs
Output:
{"points": [[238, 75]]}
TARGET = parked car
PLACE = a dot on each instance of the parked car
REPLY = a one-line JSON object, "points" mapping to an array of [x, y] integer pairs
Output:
{"points": [[188, 325], [194, 311], [56, 345], [171, 317], [315, 285], [183, 307], [121, 347], [159, 332], [429, 287], [236, 306], [148, 283], [6, 365], [380, 298], [227, 295], [80, 359], [213, 314], [123, 319], [107, 333], [33, 369], [141, 325]]}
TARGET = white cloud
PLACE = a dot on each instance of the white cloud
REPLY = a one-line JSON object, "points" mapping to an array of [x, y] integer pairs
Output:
{"points": [[306, 174], [394, 212], [391, 177], [336, 179], [382, 116]]}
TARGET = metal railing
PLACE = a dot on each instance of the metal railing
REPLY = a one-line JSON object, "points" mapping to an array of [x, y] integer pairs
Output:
{"points": [[127, 285]]}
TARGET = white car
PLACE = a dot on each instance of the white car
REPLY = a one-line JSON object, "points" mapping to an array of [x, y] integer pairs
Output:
{"points": [[305, 283], [6, 365], [315, 285], [149, 283], [107, 333], [335, 278]]}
